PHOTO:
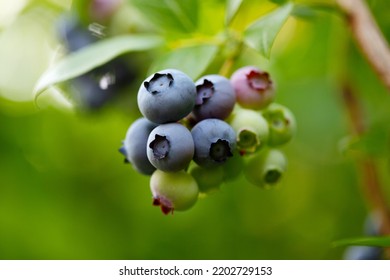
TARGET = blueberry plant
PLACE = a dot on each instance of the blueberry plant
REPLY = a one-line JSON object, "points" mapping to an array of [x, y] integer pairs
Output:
{"points": [[190, 130], [205, 115]]}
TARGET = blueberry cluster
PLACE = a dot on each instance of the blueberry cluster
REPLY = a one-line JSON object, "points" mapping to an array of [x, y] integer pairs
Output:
{"points": [[94, 89], [194, 136]]}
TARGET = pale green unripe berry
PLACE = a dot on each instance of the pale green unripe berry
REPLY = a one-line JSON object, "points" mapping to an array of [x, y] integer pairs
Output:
{"points": [[251, 129], [265, 168], [282, 124], [173, 191]]}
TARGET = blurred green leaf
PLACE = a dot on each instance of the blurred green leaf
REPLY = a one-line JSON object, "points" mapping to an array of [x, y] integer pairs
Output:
{"points": [[178, 15], [279, 2], [303, 11], [262, 33], [382, 241], [232, 7], [191, 60], [97, 54], [375, 142]]}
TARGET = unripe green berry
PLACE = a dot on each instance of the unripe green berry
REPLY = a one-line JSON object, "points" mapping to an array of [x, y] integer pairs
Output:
{"points": [[208, 179], [265, 168], [173, 191], [251, 129], [282, 124]]}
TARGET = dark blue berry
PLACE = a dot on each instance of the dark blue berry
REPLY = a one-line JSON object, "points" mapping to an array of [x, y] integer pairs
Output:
{"points": [[93, 89], [73, 34], [170, 147], [134, 145], [166, 96], [215, 142], [215, 98], [363, 253]]}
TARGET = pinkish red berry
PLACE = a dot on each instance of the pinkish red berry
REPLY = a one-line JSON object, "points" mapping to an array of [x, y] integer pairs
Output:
{"points": [[253, 87]]}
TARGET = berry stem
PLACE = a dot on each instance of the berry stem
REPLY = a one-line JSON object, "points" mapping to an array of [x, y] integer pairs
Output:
{"points": [[227, 67], [368, 36], [233, 46], [372, 186]]}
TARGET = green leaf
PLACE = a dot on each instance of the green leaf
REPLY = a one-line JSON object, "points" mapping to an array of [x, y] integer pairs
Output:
{"points": [[168, 15], [304, 12], [192, 60], [232, 7], [382, 241], [95, 55], [374, 142], [279, 2], [262, 33]]}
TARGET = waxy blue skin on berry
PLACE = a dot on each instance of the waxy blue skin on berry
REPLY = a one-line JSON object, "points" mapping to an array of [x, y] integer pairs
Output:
{"points": [[254, 87], [363, 253], [173, 191], [215, 142], [134, 146], [93, 89], [282, 124], [73, 35], [166, 96], [170, 147], [265, 168], [215, 98]]}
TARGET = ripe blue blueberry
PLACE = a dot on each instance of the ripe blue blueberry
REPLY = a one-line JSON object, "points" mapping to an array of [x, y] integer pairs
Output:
{"points": [[363, 253], [134, 145], [170, 147], [72, 34], [173, 191], [215, 98], [93, 89], [215, 142], [88, 93], [166, 96]]}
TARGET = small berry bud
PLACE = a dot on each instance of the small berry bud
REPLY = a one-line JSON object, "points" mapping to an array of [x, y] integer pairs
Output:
{"points": [[251, 129], [281, 123], [265, 168]]}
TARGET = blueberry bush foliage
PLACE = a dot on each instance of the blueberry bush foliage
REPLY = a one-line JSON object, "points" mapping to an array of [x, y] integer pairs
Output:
{"points": [[259, 127]]}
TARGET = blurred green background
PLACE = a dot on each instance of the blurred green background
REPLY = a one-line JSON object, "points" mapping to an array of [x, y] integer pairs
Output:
{"points": [[66, 194]]}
